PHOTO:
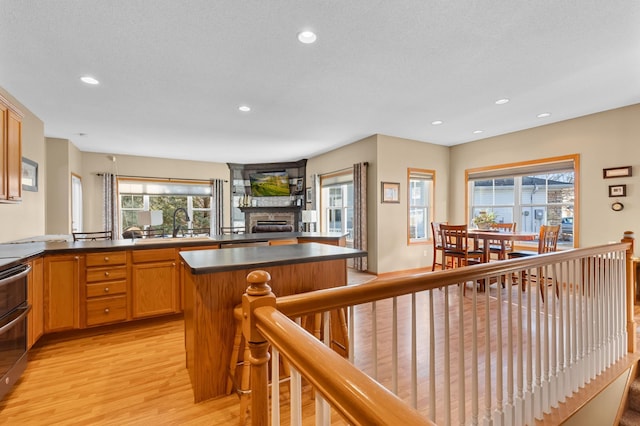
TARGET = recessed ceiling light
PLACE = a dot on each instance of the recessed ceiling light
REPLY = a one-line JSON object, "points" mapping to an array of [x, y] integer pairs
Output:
{"points": [[502, 101], [475, 132], [307, 37], [437, 122], [244, 108], [89, 80], [543, 115]]}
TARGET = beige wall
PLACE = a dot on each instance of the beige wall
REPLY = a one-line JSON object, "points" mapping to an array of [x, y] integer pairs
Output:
{"points": [[389, 158], [27, 219], [63, 158], [344, 158], [94, 163], [395, 156], [603, 140]]}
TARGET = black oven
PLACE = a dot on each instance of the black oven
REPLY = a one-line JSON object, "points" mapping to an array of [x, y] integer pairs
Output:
{"points": [[13, 325]]}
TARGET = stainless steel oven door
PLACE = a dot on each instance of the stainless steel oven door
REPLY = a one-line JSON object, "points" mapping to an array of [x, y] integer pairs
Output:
{"points": [[13, 347], [13, 288]]}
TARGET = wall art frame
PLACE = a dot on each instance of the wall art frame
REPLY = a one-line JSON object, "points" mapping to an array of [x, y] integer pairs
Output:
{"points": [[617, 190], [390, 192], [615, 172], [29, 175]]}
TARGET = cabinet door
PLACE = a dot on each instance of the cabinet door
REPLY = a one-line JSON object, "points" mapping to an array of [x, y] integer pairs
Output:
{"points": [[35, 296], [61, 288], [154, 288], [14, 156]]}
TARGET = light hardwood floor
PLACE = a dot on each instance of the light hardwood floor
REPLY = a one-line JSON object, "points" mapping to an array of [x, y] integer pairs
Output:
{"points": [[131, 374]]}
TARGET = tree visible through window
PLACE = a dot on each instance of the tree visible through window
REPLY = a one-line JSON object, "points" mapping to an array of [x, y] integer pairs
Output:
{"points": [[194, 197]]}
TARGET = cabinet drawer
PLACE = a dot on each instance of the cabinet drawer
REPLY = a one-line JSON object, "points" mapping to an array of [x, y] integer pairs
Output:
{"points": [[106, 258], [106, 288], [106, 310], [106, 274], [141, 256]]}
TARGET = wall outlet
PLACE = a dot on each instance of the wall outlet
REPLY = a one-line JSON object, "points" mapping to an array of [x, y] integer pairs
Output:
{"points": [[425, 253]]}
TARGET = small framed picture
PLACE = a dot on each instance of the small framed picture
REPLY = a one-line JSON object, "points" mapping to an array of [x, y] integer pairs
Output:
{"points": [[29, 175], [309, 195], [616, 172], [299, 184], [617, 190], [390, 192]]}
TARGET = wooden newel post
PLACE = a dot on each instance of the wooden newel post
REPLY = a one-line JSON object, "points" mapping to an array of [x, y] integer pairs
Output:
{"points": [[631, 291], [258, 294]]}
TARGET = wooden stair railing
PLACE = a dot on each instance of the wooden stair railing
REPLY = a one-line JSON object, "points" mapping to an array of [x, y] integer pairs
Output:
{"points": [[577, 273], [352, 393]]}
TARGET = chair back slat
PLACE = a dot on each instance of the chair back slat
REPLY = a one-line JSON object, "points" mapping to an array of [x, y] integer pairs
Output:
{"points": [[548, 240]]}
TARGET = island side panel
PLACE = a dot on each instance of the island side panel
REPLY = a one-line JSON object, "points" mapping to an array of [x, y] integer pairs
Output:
{"points": [[209, 322]]}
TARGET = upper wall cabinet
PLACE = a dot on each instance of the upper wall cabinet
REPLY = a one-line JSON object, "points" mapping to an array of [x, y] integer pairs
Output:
{"points": [[10, 152]]}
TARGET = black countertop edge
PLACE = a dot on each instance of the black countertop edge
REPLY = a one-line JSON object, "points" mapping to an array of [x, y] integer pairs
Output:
{"points": [[25, 251], [210, 261]]}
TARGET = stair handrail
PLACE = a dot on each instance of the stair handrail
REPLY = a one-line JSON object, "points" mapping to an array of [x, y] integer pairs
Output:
{"points": [[355, 396]]}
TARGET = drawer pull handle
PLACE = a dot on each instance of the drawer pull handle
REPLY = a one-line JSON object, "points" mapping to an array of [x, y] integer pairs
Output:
{"points": [[106, 274], [106, 258], [106, 310], [106, 289]]}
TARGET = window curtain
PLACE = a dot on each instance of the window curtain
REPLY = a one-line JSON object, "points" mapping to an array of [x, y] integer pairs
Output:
{"points": [[110, 204], [360, 213], [217, 206]]}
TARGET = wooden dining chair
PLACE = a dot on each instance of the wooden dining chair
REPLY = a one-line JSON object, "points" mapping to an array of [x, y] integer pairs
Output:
{"points": [[547, 243], [437, 244], [501, 248], [455, 245]]}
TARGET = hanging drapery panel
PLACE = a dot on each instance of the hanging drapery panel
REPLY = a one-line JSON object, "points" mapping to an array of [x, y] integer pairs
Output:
{"points": [[217, 219], [110, 204], [360, 213]]}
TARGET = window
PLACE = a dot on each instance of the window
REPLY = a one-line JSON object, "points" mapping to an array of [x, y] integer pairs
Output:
{"points": [[166, 196], [537, 193], [337, 204], [420, 185], [76, 203]]}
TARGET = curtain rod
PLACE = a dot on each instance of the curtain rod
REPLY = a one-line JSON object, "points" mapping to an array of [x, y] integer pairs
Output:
{"points": [[346, 169], [161, 178]]}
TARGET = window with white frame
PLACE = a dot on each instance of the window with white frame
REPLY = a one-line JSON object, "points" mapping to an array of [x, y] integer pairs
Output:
{"points": [[537, 193], [166, 196], [420, 184], [337, 204]]}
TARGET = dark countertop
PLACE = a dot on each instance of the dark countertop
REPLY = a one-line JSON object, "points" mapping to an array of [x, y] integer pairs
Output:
{"points": [[210, 261], [13, 253]]}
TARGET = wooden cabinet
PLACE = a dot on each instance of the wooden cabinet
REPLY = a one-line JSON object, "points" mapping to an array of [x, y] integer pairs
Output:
{"points": [[105, 288], [61, 292], [182, 271], [35, 297], [154, 283], [10, 153]]}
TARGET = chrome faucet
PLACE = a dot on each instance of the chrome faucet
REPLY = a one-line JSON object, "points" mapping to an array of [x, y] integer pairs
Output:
{"points": [[186, 215]]}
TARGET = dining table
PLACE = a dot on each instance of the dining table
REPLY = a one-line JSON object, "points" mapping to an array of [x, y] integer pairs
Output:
{"points": [[487, 235]]}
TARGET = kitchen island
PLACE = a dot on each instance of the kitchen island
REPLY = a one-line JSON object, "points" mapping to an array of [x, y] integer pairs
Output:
{"points": [[215, 281]]}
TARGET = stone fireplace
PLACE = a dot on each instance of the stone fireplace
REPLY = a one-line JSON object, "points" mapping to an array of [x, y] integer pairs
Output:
{"points": [[271, 215]]}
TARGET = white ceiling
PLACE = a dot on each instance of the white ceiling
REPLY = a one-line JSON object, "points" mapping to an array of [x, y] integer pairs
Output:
{"points": [[173, 73]]}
